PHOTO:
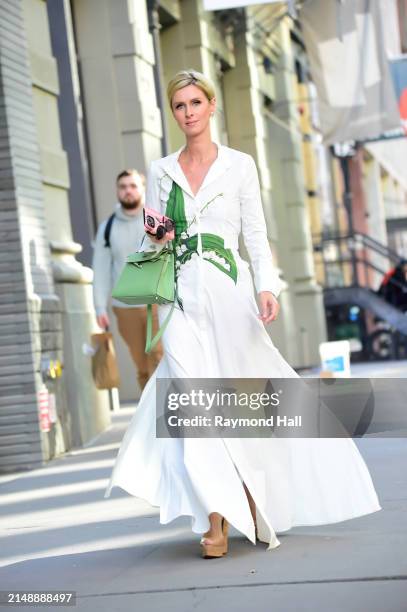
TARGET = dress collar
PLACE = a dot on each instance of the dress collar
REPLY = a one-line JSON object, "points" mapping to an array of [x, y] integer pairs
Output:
{"points": [[171, 166]]}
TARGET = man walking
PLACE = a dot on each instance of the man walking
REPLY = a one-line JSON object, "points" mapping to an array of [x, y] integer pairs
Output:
{"points": [[117, 237]]}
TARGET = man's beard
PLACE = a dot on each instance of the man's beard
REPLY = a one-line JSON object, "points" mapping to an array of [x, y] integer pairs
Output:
{"points": [[130, 205]]}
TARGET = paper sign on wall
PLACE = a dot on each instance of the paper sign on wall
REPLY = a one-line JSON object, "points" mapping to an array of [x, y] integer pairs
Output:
{"points": [[43, 410]]}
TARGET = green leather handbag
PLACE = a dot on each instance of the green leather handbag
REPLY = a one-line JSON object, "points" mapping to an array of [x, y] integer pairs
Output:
{"points": [[148, 278]]}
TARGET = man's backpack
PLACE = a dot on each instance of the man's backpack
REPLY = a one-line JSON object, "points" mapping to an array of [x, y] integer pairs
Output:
{"points": [[108, 229]]}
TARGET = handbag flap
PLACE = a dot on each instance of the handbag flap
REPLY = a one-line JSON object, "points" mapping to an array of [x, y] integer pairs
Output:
{"points": [[142, 256]]}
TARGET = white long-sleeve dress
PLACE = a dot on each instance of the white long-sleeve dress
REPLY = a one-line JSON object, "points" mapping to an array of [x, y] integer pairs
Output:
{"points": [[217, 334]]}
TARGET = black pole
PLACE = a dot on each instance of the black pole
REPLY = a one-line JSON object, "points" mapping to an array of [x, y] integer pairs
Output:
{"points": [[347, 202], [154, 28]]}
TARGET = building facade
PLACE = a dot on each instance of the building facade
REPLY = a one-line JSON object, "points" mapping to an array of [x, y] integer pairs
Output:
{"points": [[48, 402]]}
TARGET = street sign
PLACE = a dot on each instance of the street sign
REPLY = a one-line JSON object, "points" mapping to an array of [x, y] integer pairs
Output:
{"points": [[335, 357]]}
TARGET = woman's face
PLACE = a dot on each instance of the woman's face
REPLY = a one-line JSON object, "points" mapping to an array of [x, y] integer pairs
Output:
{"points": [[192, 110]]}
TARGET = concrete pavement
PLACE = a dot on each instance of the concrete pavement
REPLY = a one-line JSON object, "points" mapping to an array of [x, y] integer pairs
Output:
{"points": [[375, 369], [58, 532]]}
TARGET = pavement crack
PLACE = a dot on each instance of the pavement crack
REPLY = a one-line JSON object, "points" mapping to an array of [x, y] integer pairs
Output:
{"points": [[244, 586]]}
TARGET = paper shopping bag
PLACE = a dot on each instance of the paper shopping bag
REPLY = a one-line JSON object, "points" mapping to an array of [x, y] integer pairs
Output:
{"points": [[105, 371]]}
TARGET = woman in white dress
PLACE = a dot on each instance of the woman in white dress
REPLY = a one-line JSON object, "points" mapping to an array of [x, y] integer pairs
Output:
{"points": [[261, 486]]}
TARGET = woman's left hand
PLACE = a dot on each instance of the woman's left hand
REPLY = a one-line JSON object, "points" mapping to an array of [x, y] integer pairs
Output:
{"points": [[269, 307]]}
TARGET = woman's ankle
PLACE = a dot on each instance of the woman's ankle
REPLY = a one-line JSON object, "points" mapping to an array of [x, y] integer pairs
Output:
{"points": [[251, 502], [215, 520]]}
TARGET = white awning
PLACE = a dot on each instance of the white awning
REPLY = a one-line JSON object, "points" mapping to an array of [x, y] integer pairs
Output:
{"points": [[350, 69], [217, 5]]}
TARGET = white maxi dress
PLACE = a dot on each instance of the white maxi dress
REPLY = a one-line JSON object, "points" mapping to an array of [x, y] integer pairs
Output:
{"points": [[217, 334]]}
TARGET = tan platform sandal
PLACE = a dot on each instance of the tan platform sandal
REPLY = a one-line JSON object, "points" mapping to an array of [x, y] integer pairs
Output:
{"points": [[211, 551]]}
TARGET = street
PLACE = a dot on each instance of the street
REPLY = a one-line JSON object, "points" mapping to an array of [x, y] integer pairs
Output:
{"points": [[59, 533]]}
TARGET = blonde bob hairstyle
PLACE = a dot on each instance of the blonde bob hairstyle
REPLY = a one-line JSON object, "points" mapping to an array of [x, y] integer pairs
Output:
{"points": [[190, 77]]}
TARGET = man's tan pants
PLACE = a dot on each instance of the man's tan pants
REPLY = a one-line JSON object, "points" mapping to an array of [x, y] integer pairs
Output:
{"points": [[132, 324]]}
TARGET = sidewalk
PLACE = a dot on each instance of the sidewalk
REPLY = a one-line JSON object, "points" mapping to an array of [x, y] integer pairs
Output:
{"points": [[58, 532], [373, 369]]}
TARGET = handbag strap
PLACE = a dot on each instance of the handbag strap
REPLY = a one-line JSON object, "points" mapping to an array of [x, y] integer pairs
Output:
{"points": [[151, 342]]}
